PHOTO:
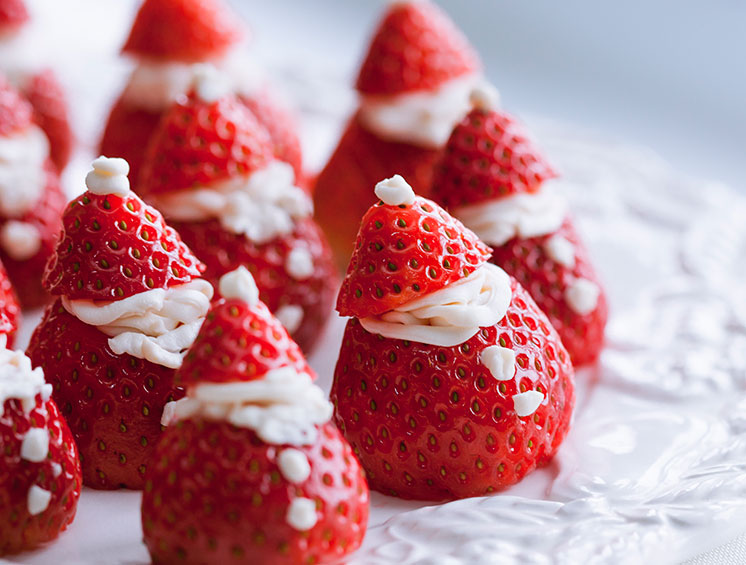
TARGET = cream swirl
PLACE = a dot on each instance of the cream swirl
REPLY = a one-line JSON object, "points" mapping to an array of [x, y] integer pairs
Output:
{"points": [[451, 315], [19, 380], [158, 325]]}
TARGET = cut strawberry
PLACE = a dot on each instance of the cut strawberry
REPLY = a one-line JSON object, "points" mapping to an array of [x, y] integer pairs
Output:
{"points": [[416, 47], [182, 30]]}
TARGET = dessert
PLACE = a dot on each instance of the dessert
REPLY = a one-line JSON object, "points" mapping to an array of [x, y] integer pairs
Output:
{"points": [[414, 87], [39, 465], [168, 39], [10, 310], [492, 178], [450, 381], [19, 62], [250, 468], [129, 301], [31, 199], [210, 169]]}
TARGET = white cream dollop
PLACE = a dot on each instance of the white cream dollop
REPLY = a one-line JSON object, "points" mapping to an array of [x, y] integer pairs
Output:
{"points": [[283, 407], [451, 315], [526, 403], [262, 206], [299, 263], [294, 465], [301, 514], [561, 250], [35, 445], [108, 176], [22, 174], [519, 215], [20, 240], [19, 380], [239, 284], [582, 296], [290, 316], [37, 500], [500, 362], [423, 118], [158, 325], [395, 191]]}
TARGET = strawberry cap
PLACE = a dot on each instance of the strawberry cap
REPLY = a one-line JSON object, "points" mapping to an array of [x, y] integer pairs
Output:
{"points": [[182, 30], [15, 111], [204, 138], [416, 47], [240, 340], [13, 14], [407, 247], [487, 157], [113, 245]]}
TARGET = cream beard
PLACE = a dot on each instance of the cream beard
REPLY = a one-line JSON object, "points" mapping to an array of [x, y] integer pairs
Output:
{"points": [[22, 173], [449, 316], [158, 325]]}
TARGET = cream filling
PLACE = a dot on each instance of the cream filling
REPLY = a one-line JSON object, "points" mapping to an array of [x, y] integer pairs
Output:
{"points": [[22, 174], [264, 206], [284, 407], [20, 240], [520, 215], [19, 380], [449, 316], [158, 325], [419, 118]]}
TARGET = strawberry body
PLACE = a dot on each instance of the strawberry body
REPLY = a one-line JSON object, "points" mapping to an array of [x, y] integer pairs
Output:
{"points": [[433, 423], [547, 280], [58, 473], [223, 251], [112, 403], [13, 14], [10, 309], [215, 494]]}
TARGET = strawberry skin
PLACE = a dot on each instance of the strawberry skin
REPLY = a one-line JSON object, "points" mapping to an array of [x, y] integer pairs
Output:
{"points": [[10, 310], [223, 251], [198, 508], [13, 14], [15, 112], [20, 530], [432, 422], [182, 30], [404, 252], [112, 403], [527, 260], [416, 47]]}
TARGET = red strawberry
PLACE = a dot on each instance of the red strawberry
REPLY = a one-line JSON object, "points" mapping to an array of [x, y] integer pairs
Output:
{"points": [[15, 112], [416, 47], [39, 465], [13, 15], [51, 113], [220, 491], [10, 311], [488, 159], [182, 30], [404, 251], [113, 246], [446, 421]]}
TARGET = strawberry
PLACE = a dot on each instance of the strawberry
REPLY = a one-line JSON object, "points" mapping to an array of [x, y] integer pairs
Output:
{"points": [[39, 465], [490, 159], [15, 112], [51, 113], [112, 247], [435, 420], [13, 15], [416, 47], [217, 148], [224, 489], [10, 310], [182, 30]]}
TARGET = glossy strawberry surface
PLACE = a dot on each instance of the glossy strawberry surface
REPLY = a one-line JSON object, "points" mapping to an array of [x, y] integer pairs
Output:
{"points": [[215, 494], [58, 473], [405, 252], [13, 14], [433, 423], [223, 251], [10, 309], [51, 112], [112, 403]]}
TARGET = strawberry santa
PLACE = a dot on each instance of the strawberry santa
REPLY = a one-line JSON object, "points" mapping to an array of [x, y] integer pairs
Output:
{"points": [[450, 381], [10, 310], [210, 169], [492, 178], [250, 469], [414, 87], [168, 38], [19, 61], [129, 302], [40, 478], [31, 199]]}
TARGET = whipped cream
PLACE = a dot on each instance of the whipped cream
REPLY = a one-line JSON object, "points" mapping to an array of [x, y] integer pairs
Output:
{"points": [[239, 284], [301, 514], [290, 316], [263, 206], [22, 174], [451, 315], [420, 118], [526, 403], [519, 215], [37, 500], [19, 380], [284, 407], [35, 445], [500, 362], [561, 250], [20, 56], [395, 191], [158, 325], [299, 263], [294, 465], [20, 240], [108, 176], [582, 296]]}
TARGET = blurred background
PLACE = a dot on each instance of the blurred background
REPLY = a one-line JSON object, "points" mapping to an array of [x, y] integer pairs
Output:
{"points": [[665, 74]]}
